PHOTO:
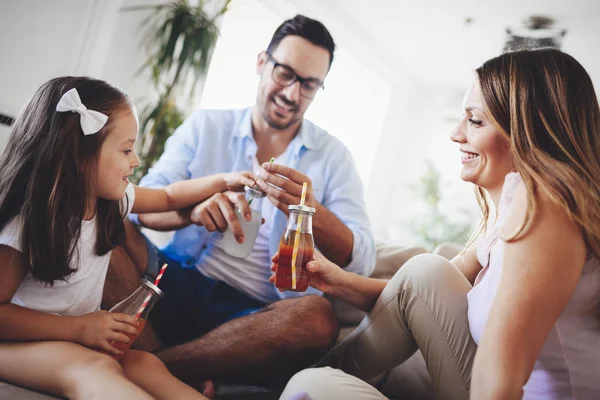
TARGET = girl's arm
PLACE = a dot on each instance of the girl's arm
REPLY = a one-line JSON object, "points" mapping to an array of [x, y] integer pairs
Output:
{"points": [[540, 273], [18, 323], [188, 192]]}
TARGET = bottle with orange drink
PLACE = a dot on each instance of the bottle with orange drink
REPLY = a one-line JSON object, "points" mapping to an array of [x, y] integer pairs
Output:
{"points": [[138, 304], [296, 249]]}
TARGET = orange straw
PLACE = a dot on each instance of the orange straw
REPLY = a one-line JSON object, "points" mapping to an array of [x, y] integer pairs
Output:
{"points": [[297, 237], [145, 303]]}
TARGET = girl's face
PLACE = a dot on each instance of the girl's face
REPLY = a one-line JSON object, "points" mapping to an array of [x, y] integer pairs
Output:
{"points": [[117, 158], [485, 152]]}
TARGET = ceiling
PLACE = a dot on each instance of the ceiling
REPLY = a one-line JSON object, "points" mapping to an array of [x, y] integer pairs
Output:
{"points": [[441, 41]]}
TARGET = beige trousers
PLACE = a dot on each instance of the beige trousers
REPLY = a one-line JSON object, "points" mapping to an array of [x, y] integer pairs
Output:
{"points": [[423, 307]]}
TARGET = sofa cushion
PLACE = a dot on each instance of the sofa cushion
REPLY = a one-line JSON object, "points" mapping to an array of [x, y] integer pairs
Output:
{"points": [[391, 256]]}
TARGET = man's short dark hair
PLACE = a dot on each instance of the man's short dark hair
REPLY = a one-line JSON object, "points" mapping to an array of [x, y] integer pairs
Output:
{"points": [[307, 28]]}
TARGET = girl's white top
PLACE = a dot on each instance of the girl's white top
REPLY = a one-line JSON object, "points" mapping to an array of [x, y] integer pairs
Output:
{"points": [[81, 293]]}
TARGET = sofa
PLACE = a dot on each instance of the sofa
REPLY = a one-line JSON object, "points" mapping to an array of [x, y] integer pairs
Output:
{"points": [[390, 257]]}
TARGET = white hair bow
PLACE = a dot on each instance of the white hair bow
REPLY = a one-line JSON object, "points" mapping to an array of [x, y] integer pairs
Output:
{"points": [[91, 121]]}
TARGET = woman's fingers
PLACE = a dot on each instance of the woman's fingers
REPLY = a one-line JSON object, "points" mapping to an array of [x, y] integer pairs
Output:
{"points": [[314, 266]]}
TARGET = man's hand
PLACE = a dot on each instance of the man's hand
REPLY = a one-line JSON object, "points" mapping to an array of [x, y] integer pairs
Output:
{"points": [[288, 186], [218, 212]]}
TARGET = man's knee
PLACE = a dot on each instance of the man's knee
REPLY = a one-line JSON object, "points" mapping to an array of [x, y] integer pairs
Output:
{"points": [[318, 315], [137, 364]]}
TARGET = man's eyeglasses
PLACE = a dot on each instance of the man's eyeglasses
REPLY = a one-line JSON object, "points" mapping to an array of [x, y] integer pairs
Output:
{"points": [[285, 76]]}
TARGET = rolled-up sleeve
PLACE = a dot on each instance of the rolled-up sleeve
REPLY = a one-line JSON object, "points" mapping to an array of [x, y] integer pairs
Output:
{"points": [[180, 150], [344, 197]]}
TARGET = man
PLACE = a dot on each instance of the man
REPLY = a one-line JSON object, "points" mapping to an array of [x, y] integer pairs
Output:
{"points": [[221, 317]]}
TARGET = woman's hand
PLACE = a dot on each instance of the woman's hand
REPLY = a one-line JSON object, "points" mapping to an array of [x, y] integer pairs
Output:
{"points": [[235, 181], [324, 275], [100, 329]]}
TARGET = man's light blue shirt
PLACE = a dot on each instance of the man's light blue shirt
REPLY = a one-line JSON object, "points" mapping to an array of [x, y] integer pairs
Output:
{"points": [[219, 141]]}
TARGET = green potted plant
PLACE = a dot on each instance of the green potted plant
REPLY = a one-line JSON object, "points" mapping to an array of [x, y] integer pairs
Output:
{"points": [[179, 38], [432, 225]]}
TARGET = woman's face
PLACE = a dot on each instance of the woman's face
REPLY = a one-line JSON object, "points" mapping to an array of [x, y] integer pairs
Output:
{"points": [[485, 154]]}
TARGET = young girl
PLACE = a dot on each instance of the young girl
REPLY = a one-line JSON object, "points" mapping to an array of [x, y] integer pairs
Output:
{"points": [[64, 192]]}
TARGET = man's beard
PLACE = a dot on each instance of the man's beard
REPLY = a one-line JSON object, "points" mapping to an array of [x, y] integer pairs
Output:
{"points": [[275, 124]]}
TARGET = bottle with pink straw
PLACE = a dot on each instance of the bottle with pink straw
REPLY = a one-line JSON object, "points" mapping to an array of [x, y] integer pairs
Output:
{"points": [[139, 304]]}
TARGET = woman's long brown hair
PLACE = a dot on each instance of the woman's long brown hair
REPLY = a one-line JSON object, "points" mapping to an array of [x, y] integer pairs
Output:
{"points": [[544, 102], [47, 171]]}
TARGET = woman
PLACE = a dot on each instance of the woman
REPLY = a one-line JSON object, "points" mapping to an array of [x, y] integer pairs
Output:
{"points": [[515, 315]]}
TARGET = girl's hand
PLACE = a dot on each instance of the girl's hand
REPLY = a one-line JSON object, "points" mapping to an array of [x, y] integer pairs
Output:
{"points": [[324, 275], [235, 181], [99, 329]]}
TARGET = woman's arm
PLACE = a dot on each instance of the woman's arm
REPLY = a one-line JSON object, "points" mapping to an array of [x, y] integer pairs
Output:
{"points": [[360, 291], [188, 192], [540, 273], [329, 278], [467, 263]]}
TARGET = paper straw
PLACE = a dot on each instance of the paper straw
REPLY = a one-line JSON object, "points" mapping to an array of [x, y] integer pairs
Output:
{"points": [[297, 237], [147, 299], [160, 274]]}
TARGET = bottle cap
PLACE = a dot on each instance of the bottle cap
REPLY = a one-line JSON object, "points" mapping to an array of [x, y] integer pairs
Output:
{"points": [[152, 287], [302, 209]]}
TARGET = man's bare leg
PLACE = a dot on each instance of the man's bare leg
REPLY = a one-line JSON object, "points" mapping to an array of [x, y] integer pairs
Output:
{"points": [[270, 345]]}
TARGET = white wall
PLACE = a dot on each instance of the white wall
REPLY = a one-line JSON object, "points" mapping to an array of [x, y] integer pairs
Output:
{"points": [[43, 39], [405, 123], [416, 130]]}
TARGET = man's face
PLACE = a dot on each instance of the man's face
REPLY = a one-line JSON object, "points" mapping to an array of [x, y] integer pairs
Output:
{"points": [[283, 106]]}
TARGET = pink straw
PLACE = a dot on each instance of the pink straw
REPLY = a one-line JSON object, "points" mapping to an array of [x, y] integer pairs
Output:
{"points": [[143, 307]]}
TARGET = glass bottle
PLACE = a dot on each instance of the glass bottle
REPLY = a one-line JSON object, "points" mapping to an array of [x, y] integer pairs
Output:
{"points": [[254, 197], [291, 273], [138, 304]]}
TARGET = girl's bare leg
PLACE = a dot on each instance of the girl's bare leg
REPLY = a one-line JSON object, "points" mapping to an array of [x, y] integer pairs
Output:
{"points": [[66, 370], [148, 372]]}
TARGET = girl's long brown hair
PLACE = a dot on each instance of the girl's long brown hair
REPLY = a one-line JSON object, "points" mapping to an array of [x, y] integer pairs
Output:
{"points": [[544, 102], [47, 171]]}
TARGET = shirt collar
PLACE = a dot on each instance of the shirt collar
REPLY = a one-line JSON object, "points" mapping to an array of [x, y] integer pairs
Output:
{"points": [[306, 137], [245, 124]]}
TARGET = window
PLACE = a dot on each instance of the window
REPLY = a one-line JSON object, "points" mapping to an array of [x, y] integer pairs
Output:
{"points": [[351, 88]]}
